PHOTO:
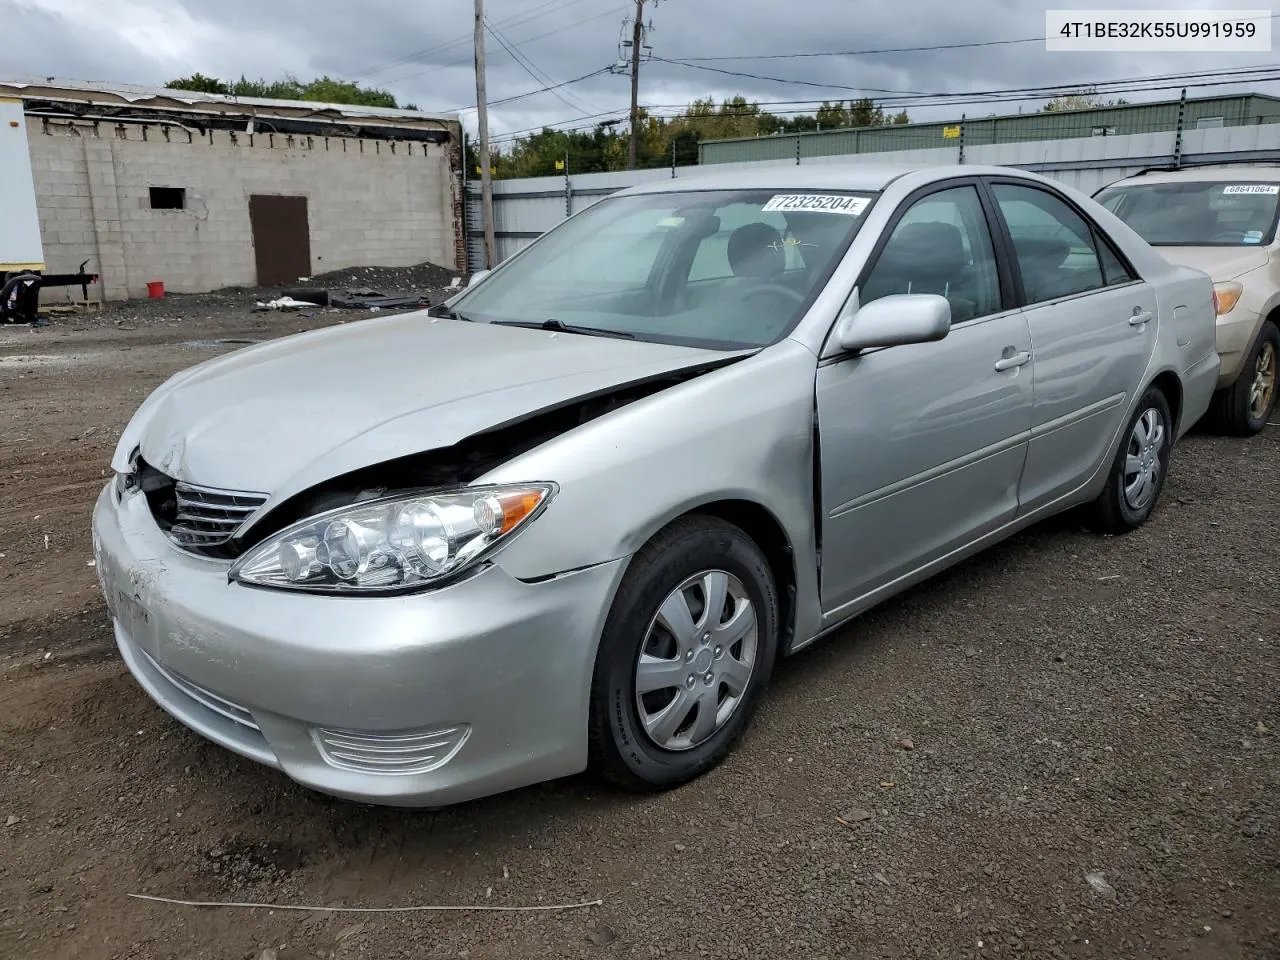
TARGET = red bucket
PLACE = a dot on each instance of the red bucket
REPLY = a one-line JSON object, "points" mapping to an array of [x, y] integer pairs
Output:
{"points": [[155, 289]]}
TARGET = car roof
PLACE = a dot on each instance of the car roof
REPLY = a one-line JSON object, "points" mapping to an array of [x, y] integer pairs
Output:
{"points": [[1201, 172], [872, 177]]}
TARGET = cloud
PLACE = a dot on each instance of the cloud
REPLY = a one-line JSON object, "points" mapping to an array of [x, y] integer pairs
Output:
{"points": [[422, 52]]}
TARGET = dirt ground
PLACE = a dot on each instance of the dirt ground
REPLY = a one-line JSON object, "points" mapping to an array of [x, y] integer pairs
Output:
{"points": [[1094, 768]]}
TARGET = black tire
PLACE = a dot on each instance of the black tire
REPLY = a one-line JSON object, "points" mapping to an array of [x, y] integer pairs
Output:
{"points": [[620, 749], [1112, 511], [1229, 412]]}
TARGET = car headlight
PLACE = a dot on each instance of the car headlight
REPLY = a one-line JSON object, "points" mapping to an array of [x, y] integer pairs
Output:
{"points": [[1226, 295], [399, 543]]}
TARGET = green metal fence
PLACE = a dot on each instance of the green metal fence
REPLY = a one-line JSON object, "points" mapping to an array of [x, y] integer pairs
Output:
{"points": [[1138, 118]]}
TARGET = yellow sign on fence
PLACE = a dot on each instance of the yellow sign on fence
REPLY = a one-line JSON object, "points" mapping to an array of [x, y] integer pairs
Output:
{"points": [[559, 164], [951, 133]]}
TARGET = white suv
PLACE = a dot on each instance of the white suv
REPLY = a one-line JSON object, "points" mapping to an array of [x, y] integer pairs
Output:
{"points": [[1221, 219]]}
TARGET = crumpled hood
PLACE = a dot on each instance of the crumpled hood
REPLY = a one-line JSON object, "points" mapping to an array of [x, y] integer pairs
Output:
{"points": [[280, 417], [1220, 263]]}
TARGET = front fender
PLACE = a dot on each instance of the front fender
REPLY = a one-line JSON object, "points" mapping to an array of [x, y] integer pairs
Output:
{"points": [[744, 432]]}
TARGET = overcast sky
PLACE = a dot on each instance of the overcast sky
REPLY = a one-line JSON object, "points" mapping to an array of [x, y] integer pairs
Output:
{"points": [[421, 50]]}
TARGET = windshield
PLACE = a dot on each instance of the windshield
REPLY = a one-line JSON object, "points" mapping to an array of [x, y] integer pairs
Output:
{"points": [[1197, 214], [720, 269]]}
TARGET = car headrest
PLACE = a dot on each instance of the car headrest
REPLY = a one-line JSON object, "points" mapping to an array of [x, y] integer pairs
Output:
{"points": [[935, 247], [1045, 251], [755, 250]]}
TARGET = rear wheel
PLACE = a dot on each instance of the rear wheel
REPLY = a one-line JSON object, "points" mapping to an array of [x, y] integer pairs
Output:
{"points": [[1138, 472], [1244, 408], [686, 653]]}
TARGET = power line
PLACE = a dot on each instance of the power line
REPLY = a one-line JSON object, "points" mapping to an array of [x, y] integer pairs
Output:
{"points": [[1014, 95], [803, 83], [895, 95], [511, 21], [534, 93], [453, 63], [929, 48], [533, 70], [514, 135]]}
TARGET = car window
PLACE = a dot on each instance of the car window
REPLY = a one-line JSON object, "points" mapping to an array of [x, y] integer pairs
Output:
{"points": [[623, 257], [1197, 213], [1053, 243], [718, 268], [1113, 269], [941, 245], [712, 258]]}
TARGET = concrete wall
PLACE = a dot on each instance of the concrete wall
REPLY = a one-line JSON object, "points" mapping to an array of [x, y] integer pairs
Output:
{"points": [[369, 202]]}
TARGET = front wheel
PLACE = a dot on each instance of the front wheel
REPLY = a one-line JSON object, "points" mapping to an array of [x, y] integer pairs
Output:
{"points": [[1137, 474], [1244, 408], [686, 653]]}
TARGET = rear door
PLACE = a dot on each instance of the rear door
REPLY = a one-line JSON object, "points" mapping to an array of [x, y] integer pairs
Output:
{"points": [[1093, 330], [281, 238], [922, 446]]}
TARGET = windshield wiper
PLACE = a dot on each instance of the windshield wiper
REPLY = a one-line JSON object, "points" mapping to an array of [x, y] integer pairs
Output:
{"points": [[560, 326], [444, 313]]}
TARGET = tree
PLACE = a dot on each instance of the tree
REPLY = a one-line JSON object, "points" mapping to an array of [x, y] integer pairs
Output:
{"points": [[321, 90], [859, 113], [733, 118], [1086, 99], [864, 113], [200, 84]]}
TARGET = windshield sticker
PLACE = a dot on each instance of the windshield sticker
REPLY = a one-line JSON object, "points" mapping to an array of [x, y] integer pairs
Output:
{"points": [[671, 222], [1253, 236], [816, 203], [1265, 188]]}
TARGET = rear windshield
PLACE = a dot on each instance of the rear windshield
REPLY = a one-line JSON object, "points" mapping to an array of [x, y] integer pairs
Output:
{"points": [[1198, 214]]}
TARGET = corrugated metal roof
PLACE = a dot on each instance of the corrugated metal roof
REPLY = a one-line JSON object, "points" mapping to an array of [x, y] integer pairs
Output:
{"points": [[51, 88]]}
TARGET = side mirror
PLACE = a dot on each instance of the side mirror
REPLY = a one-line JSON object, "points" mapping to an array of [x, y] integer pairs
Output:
{"points": [[477, 277], [897, 320]]}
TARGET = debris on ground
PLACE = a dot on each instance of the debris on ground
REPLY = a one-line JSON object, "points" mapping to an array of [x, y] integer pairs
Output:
{"points": [[13, 821], [906, 743], [1099, 884], [601, 935], [856, 815], [373, 300], [283, 303]]}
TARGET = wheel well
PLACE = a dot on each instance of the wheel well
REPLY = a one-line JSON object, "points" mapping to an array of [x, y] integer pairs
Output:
{"points": [[1169, 384], [763, 527]]}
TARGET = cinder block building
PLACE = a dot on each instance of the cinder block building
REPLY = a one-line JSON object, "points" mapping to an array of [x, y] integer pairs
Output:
{"points": [[201, 191]]}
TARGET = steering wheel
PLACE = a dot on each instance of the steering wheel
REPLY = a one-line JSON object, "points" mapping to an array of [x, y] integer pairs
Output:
{"points": [[759, 288]]}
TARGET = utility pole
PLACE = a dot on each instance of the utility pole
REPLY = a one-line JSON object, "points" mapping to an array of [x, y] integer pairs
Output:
{"points": [[482, 111], [637, 37]]}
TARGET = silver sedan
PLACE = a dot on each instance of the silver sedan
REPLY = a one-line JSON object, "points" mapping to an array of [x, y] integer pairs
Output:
{"points": [[574, 516]]}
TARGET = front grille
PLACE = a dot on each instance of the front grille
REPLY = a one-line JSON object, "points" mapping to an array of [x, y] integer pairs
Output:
{"points": [[201, 520], [387, 753], [206, 698], [209, 518]]}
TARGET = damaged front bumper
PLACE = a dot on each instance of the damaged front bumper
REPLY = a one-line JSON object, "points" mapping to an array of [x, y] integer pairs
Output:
{"points": [[418, 700]]}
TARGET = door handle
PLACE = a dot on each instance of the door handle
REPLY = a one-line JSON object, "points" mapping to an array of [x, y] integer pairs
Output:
{"points": [[1017, 360], [1139, 317]]}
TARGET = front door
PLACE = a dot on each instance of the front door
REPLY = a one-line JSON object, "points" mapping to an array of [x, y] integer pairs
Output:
{"points": [[922, 446], [281, 238], [1093, 330]]}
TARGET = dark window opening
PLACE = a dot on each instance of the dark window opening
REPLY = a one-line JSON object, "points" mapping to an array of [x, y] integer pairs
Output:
{"points": [[168, 198]]}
